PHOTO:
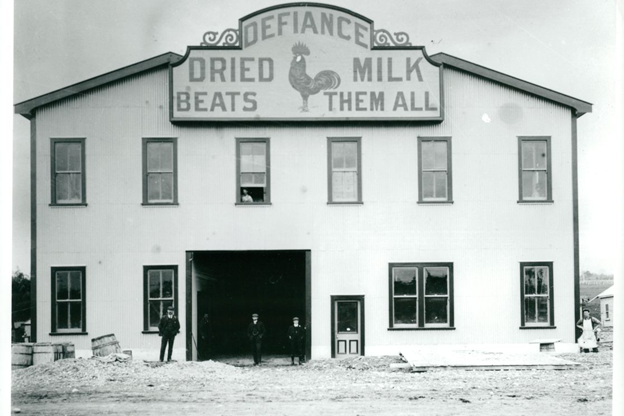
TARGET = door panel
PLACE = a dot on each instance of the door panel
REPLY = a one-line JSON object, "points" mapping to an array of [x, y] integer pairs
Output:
{"points": [[348, 338]]}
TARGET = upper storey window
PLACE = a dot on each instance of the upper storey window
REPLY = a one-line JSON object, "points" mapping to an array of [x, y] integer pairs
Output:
{"points": [[253, 170], [68, 172], [535, 169], [160, 169], [345, 170], [434, 157]]}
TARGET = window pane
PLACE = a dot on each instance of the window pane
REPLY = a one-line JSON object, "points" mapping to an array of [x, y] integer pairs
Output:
{"points": [[259, 178], [534, 155], [542, 280], [167, 283], [405, 311], [404, 281], [60, 157], [166, 186], [350, 154], [75, 314], [165, 305], [436, 281], [436, 310], [75, 186], [166, 157], [62, 285], [62, 315], [338, 152], [153, 187], [542, 309], [154, 313], [247, 179], [74, 156], [62, 187], [344, 186], [347, 317], [246, 157], [439, 178], [434, 155], [154, 283], [153, 157], [259, 158], [529, 280], [427, 185], [534, 184], [529, 310], [75, 285]]}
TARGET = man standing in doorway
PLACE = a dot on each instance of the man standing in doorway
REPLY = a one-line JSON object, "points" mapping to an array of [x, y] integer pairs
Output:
{"points": [[296, 337], [255, 332], [168, 328]]}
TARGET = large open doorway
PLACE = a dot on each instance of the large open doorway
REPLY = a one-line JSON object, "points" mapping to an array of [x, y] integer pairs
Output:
{"points": [[231, 285]]}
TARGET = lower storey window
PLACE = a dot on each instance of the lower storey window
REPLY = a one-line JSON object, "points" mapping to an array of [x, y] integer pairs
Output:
{"points": [[161, 291], [421, 295], [68, 299], [537, 294]]}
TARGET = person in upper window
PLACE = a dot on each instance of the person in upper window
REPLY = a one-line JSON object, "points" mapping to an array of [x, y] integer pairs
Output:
{"points": [[590, 327], [246, 197]]}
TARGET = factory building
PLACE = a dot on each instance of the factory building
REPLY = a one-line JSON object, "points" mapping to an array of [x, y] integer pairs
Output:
{"points": [[309, 164]]}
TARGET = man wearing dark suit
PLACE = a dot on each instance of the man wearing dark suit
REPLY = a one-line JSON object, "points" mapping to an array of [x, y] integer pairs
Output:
{"points": [[168, 328], [255, 332], [296, 337]]}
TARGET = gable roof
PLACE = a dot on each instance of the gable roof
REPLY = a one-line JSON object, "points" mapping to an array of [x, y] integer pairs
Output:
{"points": [[580, 106], [606, 294], [25, 108]]}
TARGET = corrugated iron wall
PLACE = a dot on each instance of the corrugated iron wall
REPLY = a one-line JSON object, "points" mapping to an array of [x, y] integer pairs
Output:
{"points": [[485, 232]]}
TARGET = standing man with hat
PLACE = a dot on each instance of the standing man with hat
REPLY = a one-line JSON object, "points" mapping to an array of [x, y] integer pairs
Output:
{"points": [[255, 332], [168, 328], [296, 337]]}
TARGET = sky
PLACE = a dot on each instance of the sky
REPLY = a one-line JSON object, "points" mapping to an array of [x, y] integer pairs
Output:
{"points": [[567, 45]]}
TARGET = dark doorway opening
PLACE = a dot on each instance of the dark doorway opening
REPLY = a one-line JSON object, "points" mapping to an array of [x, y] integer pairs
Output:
{"points": [[232, 285]]}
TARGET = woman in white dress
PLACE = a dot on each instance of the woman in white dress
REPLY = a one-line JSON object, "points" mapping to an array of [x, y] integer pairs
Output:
{"points": [[590, 326]]}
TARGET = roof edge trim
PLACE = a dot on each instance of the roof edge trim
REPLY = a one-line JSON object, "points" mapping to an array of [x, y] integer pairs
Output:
{"points": [[581, 107], [26, 108]]}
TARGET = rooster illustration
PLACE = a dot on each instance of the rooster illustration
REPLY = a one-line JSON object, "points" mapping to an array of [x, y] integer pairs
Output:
{"points": [[305, 84]]}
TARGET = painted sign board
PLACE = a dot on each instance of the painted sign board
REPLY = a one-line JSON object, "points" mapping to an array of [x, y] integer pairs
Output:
{"points": [[305, 62]]}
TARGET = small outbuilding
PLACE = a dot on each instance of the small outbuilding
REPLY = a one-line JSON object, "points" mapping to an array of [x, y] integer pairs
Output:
{"points": [[606, 306]]}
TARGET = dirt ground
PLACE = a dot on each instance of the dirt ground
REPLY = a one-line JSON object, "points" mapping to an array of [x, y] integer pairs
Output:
{"points": [[361, 386]]}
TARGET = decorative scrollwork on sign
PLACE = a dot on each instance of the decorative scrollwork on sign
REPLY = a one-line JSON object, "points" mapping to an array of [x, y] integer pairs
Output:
{"points": [[385, 38], [229, 37]]}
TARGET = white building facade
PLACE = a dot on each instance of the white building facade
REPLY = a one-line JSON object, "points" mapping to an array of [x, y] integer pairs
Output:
{"points": [[380, 232]]}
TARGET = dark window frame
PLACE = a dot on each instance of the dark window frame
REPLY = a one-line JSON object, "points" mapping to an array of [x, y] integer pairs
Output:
{"points": [[53, 324], [449, 169], [549, 194], [267, 189], [551, 295], [420, 296], [53, 142], [145, 142], [330, 141], [146, 270]]}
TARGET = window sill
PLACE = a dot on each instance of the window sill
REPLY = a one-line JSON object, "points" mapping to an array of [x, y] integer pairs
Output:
{"points": [[69, 205], [56, 334], [538, 327], [251, 204], [160, 204], [435, 202], [438, 328], [149, 332], [544, 202], [346, 203]]}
